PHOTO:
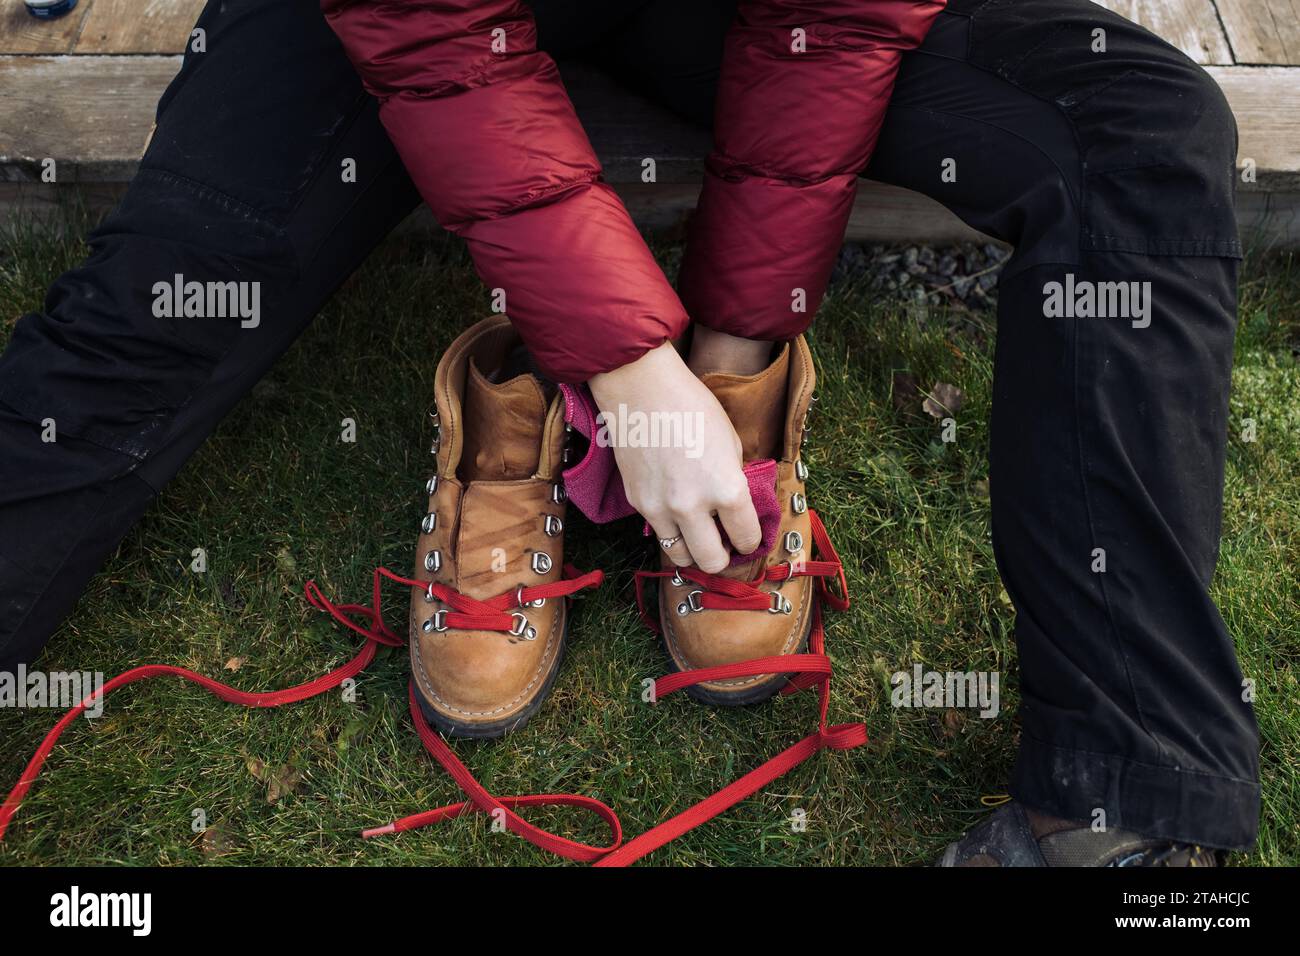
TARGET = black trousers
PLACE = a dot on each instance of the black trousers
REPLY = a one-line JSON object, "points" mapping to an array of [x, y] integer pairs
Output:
{"points": [[1108, 431]]}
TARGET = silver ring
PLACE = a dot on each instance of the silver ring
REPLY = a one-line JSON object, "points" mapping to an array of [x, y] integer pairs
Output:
{"points": [[667, 543]]}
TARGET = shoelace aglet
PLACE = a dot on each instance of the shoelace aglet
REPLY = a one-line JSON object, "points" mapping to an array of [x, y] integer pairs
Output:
{"points": [[379, 831]]}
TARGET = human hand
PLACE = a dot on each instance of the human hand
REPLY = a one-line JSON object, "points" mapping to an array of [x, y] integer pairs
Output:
{"points": [[679, 456]]}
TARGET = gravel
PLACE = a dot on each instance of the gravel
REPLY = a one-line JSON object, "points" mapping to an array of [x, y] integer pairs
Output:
{"points": [[964, 275]]}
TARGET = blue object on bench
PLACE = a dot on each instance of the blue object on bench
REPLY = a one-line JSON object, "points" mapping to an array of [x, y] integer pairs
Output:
{"points": [[50, 9]]}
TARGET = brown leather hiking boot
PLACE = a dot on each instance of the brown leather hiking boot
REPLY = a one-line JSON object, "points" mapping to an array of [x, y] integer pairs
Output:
{"points": [[768, 411], [485, 647]]}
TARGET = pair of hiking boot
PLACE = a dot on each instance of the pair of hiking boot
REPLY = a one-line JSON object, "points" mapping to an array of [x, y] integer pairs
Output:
{"points": [[487, 633], [495, 525]]}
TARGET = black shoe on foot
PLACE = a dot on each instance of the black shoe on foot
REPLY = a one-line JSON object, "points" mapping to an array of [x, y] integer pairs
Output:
{"points": [[1015, 836]]}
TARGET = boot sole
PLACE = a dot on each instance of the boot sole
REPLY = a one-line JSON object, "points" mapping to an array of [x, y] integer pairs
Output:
{"points": [[498, 728]]}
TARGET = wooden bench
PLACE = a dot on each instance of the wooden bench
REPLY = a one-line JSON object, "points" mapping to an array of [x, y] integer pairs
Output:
{"points": [[82, 90]]}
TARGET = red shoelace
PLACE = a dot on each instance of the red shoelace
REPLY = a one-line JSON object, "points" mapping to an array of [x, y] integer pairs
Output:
{"points": [[809, 669]]}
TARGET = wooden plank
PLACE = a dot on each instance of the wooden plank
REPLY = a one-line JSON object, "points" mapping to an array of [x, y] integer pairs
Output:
{"points": [[1263, 31], [39, 203], [89, 113], [92, 114], [1191, 25], [138, 26], [1266, 219], [1269, 220], [1266, 102], [882, 213], [20, 32]]}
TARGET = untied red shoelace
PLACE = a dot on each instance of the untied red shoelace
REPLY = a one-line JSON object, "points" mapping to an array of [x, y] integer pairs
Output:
{"points": [[810, 669]]}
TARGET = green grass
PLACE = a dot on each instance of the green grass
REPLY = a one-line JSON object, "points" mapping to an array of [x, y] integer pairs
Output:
{"points": [[276, 498]]}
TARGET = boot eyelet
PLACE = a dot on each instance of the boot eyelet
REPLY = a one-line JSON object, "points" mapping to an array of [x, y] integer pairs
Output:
{"points": [[521, 628], [520, 602], [558, 494], [434, 416], [552, 526], [677, 578], [429, 523], [793, 542], [431, 486], [692, 603], [436, 623], [567, 455], [798, 503], [433, 561], [780, 604], [435, 446], [801, 470], [541, 562], [428, 594]]}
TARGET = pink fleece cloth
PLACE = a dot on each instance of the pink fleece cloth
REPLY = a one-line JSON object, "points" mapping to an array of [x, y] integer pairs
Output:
{"points": [[596, 487]]}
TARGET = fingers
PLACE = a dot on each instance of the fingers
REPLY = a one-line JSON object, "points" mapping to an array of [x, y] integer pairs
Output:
{"points": [[703, 540], [699, 542], [740, 521], [665, 528]]}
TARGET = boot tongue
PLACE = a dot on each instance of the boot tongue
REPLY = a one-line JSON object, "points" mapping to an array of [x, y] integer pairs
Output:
{"points": [[503, 427], [756, 405]]}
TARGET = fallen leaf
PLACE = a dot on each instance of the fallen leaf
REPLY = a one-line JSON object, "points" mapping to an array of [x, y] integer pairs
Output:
{"points": [[235, 663], [284, 781], [952, 721], [944, 400], [279, 781], [284, 560], [215, 841]]}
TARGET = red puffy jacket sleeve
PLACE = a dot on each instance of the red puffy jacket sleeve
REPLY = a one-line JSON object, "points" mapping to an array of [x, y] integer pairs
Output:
{"points": [[801, 99], [483, 125]]}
